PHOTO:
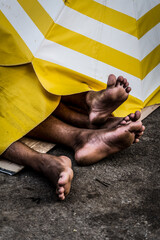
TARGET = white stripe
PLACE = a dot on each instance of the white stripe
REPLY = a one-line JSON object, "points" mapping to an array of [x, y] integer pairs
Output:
{"points": [[52, 7], [149, 42], [79, 23], [99, 32], [135, 9], [143, 6], [151, 82], [72, 59], [110, 36], [22, 24], [103, 33], [95, 69], [82, 24], [83, 64]]}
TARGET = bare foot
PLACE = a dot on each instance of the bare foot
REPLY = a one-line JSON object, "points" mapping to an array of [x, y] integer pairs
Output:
{"points": [[58, 170], [114, 122], [101, 104], [94, 145]]}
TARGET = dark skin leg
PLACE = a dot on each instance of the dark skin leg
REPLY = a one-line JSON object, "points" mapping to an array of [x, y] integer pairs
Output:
{"points": [[57, 169], [72, 116], [78, 119], [90, 146], [100, 105]]}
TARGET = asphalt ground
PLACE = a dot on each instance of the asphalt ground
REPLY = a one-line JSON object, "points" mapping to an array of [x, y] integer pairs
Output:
{"points": [[115, 199]]}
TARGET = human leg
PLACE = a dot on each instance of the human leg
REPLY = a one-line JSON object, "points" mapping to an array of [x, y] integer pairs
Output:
{"points": [[90, 145], [101, 104], [57, 169], [81, 120], [101, 144], [72, 116]]}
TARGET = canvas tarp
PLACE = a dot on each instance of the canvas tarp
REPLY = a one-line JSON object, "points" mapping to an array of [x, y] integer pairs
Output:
{"points": [[74, 45]]}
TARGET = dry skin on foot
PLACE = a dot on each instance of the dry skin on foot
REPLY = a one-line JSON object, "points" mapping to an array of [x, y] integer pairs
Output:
{"points": [[96, 145], [57, 169], [104, 135], [60, 173], [101, 104], [114, 122]]}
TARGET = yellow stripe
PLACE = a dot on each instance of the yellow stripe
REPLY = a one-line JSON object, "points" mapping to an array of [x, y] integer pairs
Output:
{"points": [[154, 98], [117, 19], [73, 82], [94, 49], [13, 50], [130, 106], [99, 51], [106, 15], [150, 61], [38, 15], [104, 53], [148, 21]]}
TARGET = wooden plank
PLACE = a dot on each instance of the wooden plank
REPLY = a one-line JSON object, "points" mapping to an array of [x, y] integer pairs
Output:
{"points": [[148, 110]]}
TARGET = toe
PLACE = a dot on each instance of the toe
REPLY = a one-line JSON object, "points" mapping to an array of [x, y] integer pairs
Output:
{"points": [[132, 116], [136, 140], [137, 115], [143, 128], [127, 118], [135, 126], [123, 122], [64, 178], [120, 80], [60, 190], [140, 134], [64, 182], [126, 84], [61, 196], [128, 89], [124, 80], [111, 81]]}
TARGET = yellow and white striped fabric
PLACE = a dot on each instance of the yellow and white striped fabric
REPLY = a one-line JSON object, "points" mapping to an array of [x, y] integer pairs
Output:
{"points": [[73, 45]]}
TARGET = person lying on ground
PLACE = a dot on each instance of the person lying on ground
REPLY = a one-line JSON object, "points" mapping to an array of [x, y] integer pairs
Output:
{"points": [[92, 132]]}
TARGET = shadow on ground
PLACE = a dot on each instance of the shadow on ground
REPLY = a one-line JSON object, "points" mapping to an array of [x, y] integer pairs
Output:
{"points": [[116, 199]]}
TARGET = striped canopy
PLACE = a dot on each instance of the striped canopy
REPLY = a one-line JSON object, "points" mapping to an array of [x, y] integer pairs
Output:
{"points": [[74, 44]]}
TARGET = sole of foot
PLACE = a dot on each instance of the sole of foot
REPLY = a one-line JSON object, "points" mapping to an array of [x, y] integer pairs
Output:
{"points": [[101, 104], [94, 145]]}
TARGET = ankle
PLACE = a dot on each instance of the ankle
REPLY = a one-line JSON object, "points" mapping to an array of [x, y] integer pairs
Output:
{"points": [[35, 161], [81, 139]]}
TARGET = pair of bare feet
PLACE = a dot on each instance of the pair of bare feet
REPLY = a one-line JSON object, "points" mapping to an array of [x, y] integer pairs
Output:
{"points": [[105, 135], [109, 135]]}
